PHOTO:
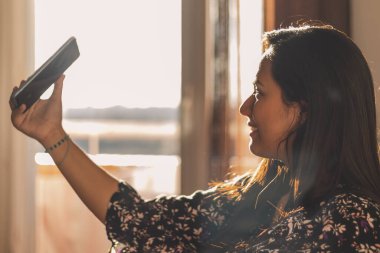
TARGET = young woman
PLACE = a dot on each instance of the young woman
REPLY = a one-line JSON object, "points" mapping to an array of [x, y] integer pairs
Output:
{"points": [[312, 117]]}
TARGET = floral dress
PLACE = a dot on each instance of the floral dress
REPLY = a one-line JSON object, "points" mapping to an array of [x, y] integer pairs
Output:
{"points": [[344, 222]]}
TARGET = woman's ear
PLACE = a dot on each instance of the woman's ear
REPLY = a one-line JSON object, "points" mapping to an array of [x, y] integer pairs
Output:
{"points": [[299, 112], [302, 114], [302, 117]]}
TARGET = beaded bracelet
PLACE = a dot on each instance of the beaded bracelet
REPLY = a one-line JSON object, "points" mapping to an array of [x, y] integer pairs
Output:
{"points": [[64, 156], [59, 143]]}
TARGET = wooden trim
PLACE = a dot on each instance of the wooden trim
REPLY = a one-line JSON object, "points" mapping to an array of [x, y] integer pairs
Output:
{"points": [[221, 144], [269, 15], [196, 96], [282, 13]]}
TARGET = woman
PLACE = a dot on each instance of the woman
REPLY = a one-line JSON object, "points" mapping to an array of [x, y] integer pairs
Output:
{"points": [[312, 117]]}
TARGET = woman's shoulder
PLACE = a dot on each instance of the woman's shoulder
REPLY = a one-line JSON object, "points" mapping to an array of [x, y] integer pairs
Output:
{"points": [[350, 221], [356, 212], [342, 222], [348, 205], [350, 198]]}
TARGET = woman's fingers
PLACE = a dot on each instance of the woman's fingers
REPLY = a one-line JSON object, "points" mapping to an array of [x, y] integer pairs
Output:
{"points": [[11, 97], [15, 89], [42, 116], [18, 115], [58, 87], [22, 83]]}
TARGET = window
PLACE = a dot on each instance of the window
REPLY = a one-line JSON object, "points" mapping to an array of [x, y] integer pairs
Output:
{"points": [[246, 50], [120, 100]]}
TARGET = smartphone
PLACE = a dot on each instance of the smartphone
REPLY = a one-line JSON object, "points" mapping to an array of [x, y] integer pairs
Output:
{"points": [[46, 75]]}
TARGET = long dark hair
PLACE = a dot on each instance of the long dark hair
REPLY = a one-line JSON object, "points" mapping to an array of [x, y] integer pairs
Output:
{"points": [[321, 69], [324, 71]]}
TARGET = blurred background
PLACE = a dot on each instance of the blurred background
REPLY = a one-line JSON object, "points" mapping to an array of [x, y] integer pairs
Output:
{"points": [[153, 99]]}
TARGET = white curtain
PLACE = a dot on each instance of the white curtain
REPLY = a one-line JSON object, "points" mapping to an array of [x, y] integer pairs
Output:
{"points": [[17, 174]]}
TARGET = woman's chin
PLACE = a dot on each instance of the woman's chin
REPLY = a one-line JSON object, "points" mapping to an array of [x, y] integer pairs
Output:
{"points": [[253, 147], [258, 151]]}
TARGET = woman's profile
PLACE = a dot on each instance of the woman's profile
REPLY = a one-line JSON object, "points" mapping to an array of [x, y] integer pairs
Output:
{"points": [[312, 118]]}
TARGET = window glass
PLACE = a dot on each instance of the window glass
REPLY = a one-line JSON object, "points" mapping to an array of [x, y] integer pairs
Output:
{"points": [[120, 102]]}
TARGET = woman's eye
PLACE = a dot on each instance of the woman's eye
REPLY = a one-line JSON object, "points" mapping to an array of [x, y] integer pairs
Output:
{"points": [[256, 92]]}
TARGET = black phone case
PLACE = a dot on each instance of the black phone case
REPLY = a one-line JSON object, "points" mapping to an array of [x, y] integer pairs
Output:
{"points": [[46, 75]]}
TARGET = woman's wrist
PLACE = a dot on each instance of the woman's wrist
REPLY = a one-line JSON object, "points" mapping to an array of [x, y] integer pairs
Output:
{"points": [[53, 138], [57, 144]]}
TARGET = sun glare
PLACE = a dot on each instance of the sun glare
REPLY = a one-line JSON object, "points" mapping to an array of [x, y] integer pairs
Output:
{"points": [[130, 50]]}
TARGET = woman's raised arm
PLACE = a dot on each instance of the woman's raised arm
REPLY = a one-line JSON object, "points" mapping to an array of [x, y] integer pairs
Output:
{"points": [[43, 122]]}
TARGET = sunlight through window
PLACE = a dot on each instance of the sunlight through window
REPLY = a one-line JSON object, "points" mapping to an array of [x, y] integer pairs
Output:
{"points": [[120, 101]]}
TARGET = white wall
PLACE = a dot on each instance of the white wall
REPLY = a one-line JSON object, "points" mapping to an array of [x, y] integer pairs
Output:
{"points": [[365, 25]]}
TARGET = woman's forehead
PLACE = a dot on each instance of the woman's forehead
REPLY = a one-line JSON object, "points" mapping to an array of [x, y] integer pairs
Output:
{"points": [[265, 69]]}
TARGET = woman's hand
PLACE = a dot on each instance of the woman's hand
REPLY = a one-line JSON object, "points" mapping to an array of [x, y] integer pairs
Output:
{"points": [[43, 120]]}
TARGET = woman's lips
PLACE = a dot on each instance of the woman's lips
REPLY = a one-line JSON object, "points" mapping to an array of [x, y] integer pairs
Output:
{"points": [[253, 132], [252, 125], [253, 129]]}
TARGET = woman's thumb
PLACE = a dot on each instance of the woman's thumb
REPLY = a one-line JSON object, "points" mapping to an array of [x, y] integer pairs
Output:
{"points": [[58, 87]]}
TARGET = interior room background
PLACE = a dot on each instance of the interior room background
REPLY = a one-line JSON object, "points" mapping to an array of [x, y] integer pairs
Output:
{"points": [[153, 98]]}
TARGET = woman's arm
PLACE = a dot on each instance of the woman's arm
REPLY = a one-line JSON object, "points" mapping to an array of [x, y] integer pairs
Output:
{"points": [[92, 184], [43, 122]]}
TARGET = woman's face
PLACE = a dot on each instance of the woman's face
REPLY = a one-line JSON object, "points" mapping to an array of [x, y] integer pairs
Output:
{"points": [[270, 119]]}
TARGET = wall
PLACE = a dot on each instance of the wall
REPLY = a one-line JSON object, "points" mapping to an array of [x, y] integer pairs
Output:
{"points": [[365, 25]]}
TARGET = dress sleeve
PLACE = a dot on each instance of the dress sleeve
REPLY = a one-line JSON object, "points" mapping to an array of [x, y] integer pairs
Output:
{"points": [[170, 224]]}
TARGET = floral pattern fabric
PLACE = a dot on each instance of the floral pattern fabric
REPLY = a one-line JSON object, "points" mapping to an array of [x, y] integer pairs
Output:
{"points": [[164, 224], [344, 222]]}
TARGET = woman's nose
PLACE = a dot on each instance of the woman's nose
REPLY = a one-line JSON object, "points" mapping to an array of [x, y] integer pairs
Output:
{"points": [[246, 107]]}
